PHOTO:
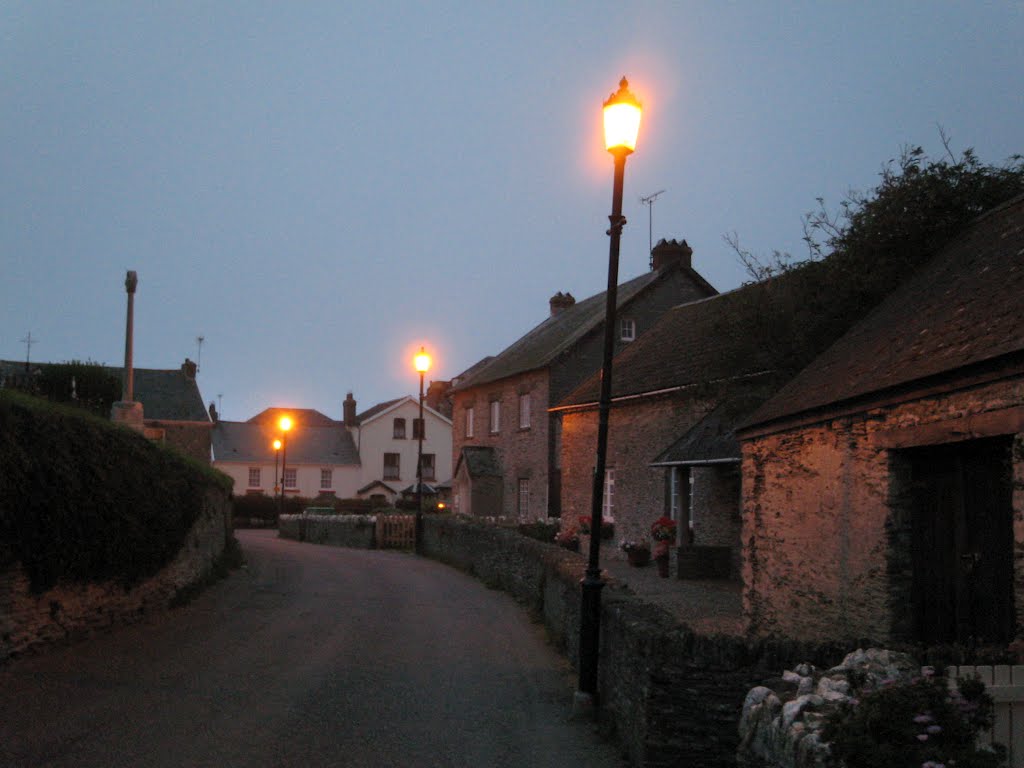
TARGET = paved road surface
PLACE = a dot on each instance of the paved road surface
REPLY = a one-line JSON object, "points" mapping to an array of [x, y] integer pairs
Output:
{"points": [[312, 656]]}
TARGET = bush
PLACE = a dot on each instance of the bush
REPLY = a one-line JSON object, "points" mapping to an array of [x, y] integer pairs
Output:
{"points": [[916, 725], [541, 530]]}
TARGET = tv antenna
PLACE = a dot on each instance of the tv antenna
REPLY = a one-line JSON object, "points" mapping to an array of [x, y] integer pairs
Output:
{"points": [[199, 352], [28, 341], [649, 202]]}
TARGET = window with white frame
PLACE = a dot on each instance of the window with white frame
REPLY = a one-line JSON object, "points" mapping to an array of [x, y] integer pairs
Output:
{"points": [[291, 479], [254, 477], [326, 479], [392, 468], [469, 422], [680, 498], [524, 410], [495, 425], [627, 329], [608, 501], [428, 466], [398, 432], [524, 498]]}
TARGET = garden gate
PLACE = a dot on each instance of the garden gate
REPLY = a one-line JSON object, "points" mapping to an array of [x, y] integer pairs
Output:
{"points": [[1006, 686], [396, 531]]}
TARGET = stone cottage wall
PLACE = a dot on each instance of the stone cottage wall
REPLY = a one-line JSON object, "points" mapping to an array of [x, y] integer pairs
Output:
{"points": [[637, 432], [73, 611], [817, 509]]}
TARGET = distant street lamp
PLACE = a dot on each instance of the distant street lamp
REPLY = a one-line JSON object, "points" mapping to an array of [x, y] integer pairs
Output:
{"points": [[422, 364], [277, 457], [621, 125], [285, 424]]}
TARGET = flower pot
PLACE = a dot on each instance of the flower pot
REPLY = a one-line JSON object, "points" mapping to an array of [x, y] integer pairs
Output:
{"points": [[662, 566], [639, 557]]}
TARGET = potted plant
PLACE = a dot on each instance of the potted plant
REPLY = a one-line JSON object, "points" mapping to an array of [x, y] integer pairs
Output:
{"points": [[568, 539], [663, 531], [607, 527], [638, 552]]}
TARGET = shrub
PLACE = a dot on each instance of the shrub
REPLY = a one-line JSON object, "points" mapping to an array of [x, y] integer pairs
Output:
{"points": [[917, 724], [541, 530]]}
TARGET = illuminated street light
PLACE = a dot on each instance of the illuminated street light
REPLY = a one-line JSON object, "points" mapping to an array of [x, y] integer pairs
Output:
{"points": [[285, 424], [621, 125], [422, 365]]}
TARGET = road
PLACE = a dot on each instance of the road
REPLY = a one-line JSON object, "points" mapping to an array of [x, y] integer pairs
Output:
{"points": [[310, 656]]}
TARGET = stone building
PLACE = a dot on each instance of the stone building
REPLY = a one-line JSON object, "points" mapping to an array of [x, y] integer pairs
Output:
{"points": [[501, 405], [883, 486]]}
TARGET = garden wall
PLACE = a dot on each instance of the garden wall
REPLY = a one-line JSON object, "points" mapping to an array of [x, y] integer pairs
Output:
{"points": [[74, 611], [337, 530]]}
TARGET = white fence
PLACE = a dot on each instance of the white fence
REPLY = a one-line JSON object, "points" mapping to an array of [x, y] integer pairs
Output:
{"points": [[1006, 686]]}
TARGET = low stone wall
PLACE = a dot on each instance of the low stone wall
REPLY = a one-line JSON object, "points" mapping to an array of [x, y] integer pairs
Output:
{"points": [[356, 531], [74, 611], [669, 696]]}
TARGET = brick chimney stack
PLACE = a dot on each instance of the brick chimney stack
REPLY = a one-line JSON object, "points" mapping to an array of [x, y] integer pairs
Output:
{"points": [[671, 253], [189, 369], [561, 301], [348, 409]]}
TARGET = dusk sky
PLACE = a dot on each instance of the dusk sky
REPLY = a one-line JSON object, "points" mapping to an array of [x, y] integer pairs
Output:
{"points": [[318, 188]]}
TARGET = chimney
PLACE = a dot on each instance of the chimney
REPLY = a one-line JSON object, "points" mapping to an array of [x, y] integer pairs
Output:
{"points": [[348, 410], [189, 369], [671, 253], [561, 301], [214, 416]]}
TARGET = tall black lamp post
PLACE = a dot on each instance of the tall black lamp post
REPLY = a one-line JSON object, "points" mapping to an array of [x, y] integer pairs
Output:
{"points": [[285, 424], [422, 363], [621, 125], [277, 458]]}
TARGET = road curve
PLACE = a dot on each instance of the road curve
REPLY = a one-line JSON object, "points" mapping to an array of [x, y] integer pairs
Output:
{"points": [[310, 656]]}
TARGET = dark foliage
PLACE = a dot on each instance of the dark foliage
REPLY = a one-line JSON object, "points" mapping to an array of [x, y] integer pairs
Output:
{"points": [[82, 500], [85, 385], [541, 530]]}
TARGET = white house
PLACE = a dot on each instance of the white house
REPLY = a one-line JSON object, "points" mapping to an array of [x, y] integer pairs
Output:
{"points": [[369, 455]]}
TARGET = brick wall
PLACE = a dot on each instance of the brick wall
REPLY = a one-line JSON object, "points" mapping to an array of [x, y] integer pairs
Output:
{"points": [[74, 611], [817, 514], [638, 431]]}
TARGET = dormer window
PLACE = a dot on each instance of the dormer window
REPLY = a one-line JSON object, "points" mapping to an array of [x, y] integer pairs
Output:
{"points": [[627, 329]]}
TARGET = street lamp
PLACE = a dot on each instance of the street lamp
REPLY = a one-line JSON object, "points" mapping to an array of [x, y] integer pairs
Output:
{"points": [[422, 364], [621, 125], [285, 424], [277, 456]]}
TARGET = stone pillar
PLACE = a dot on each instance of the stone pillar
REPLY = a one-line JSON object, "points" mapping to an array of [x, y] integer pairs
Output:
{"points": [[126, 411]]}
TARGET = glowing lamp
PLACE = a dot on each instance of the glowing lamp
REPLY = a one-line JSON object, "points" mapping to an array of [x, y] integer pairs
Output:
{"points": [[285, 423], [277, 445], [422, 361], [621, 120]]}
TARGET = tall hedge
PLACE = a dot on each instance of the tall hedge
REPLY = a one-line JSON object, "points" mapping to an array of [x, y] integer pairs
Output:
{"points": [[84, 500]]}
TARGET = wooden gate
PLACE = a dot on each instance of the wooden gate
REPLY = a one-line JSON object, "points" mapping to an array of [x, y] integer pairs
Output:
{"points": [[396, 531], [1006, 686]]}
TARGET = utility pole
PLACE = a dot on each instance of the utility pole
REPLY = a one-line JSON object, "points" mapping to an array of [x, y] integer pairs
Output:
{"points": [[649, 202], [28, 341]]}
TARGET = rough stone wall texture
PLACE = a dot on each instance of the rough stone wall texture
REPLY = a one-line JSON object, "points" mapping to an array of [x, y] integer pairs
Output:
{"points": [[192, 439], [716, 509], [74, 611], [816, 510], [358, 531], [637, 432], [523, 453]]}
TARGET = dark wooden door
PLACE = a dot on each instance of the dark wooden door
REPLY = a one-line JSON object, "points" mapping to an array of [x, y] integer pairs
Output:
{"points": [[962, 542]]}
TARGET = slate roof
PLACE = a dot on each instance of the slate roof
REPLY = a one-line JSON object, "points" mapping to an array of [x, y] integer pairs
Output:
{"points": [[372, 411], [480, 461], [560, 332], [964, 308], [301, 416], [166, 395], [713, 439], [245, 441]]}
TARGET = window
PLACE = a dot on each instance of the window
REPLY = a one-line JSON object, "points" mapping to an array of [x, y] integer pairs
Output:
{"points": [[627, 329], [680, 498], [469, 422], [326, 476], [417, 429], [291, 479], [392, 470], [428, 466], [399, 433], [524, 498], [524, 411], [495, 426], [608, 502], [254, 477]]}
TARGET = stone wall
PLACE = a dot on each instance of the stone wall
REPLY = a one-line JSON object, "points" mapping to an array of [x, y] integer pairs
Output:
{"points": [[358, 531], [74, 611], [818, 513]]}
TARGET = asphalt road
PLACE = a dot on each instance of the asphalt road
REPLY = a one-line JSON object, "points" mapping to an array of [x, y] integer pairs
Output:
{"points": [[310, 656]]}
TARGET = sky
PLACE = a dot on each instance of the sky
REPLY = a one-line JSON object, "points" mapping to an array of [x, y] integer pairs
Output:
{"points": [[317, 189]]}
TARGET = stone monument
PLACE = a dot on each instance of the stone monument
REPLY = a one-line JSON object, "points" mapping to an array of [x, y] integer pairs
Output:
{"points": [[126, 411]]}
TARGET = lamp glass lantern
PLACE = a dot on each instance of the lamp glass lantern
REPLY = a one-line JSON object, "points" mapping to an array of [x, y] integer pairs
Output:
{"points": [[621, 120]]}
